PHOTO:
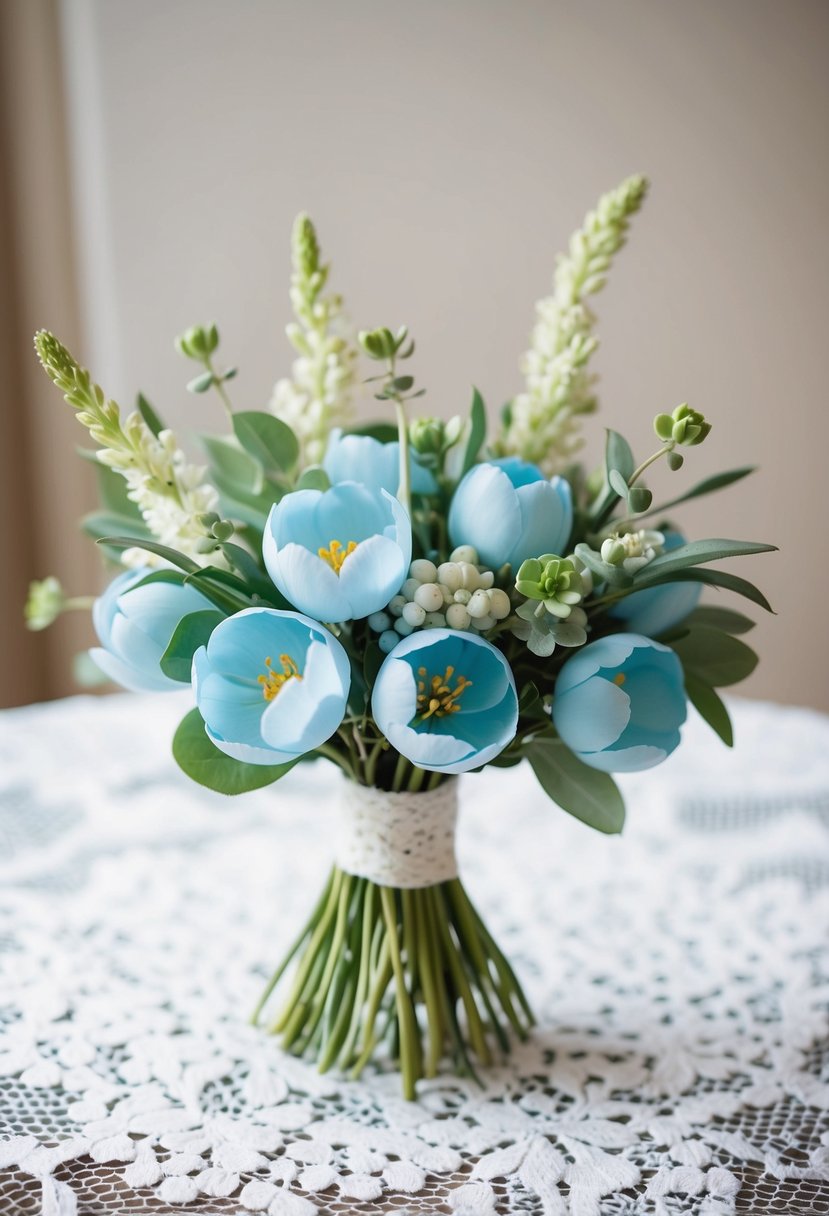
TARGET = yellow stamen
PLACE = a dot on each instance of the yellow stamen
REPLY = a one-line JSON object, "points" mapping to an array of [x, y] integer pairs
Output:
{"points": [[619, 678], [273, 681], [335, 554], [435, 697]]}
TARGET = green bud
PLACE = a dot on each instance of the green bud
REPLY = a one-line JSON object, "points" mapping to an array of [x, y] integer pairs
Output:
{"points": [[223, 529], [689, 427], [663, 424], [675, 461], [377, 343], [613, 551], [639, 499], [44, 604], [453, 430], [427, 436], [208, 519]]}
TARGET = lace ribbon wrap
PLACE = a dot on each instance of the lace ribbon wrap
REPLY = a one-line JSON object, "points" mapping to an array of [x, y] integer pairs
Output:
{"points": [[398, 840]]}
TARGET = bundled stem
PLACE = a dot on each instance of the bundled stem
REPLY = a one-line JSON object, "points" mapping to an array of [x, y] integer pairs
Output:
{"points": [[416, 967]]}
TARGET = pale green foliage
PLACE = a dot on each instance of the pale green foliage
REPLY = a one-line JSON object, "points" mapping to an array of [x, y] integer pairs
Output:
{"points": [[544, 421], [45, 602], [170, 493], [318, 395]]}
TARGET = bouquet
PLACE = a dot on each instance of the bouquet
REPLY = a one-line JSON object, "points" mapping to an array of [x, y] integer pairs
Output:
{"points": [[411, 600]]}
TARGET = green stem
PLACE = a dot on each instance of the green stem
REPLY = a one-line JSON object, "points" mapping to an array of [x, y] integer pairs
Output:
{"points": [[310, 955], [404, 491], [220, 388], [307, 929], [405, 1009], [416, 779], [399, 774], [637, 473], [78, 603], [330, 752]]}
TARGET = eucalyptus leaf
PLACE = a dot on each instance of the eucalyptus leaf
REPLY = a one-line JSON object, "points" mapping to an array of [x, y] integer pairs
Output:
{"points": [[192, 631], [617, 483], [585, 792], [233, 464], [267, 438], [197, 756], [477, 431], [710, 707], [200, 383], [101, 524], [112, 492], [383, 432], [618, 456], [715, 657]]}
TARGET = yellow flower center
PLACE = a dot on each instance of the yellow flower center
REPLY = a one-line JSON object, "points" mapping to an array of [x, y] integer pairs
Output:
{"points": [[435, 697], [619, 678], [335, 554], [273, 681]]}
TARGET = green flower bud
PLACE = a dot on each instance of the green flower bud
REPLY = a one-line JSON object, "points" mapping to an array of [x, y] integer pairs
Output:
{"points": [[223, 529], [45, 603], [378, 343], [552, 579], [613, 552], [428, 436]]}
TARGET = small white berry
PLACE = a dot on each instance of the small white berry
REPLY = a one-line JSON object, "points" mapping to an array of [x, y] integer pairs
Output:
{"points": [[483, 622], [435, 620], [414, 615], [388, 640], [410, 587], [397, 604], [449, 574], [379, 622], [462, 596], [446, 593], [485, 579], [499, 604], [429, 596], [403, 627], [464, 553], [478, 605], [470, 578], [457, 617], [424, 570]]}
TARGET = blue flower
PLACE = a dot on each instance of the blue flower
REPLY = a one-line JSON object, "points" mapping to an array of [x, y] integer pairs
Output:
{"points": [[657, 609], [508, 511], [619, 703], [270, 685], [338, 555], [446, 700], [134, 625], [373, 464]]}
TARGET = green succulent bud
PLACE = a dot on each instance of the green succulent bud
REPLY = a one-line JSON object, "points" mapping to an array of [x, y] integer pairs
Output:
{"points": [[684, 426], [554, 580], [428, 436], [198, 343], [613, 552], [44, 604], [223, 529]]}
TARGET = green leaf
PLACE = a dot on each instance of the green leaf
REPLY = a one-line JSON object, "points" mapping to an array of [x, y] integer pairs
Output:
{"points": [[233, 464], [247, 505], [383, 432], [254, 580], [213, 589], [718, 578], [618, 456], [719, 618], [617, 483], [270, 440], [372, 662], [203, 762], [149, 415], [710, 707], [715, 657], [112, 491], [190, 633], [314, 478], [585, 792], [200, 383], [151, 546], [100, 524], [718, 482], [695, 553], [477, 431]]}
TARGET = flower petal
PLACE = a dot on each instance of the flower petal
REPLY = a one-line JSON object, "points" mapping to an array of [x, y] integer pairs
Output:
{"points": [[308, 582], [248, 754], [306, 712], [485, 512], [371, 575], [131, 677], [591, 716]]}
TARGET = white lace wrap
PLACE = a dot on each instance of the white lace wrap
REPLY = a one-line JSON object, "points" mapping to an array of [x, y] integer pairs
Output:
{"points": [[679, 972], [398, 840]]}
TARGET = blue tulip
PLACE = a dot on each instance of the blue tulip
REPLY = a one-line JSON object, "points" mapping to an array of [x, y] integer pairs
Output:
{"points": [[270, 685], [134, 625], [373, 464], [446, 700], [657, 609], [619, 703], [338, 555], [508, 511]]}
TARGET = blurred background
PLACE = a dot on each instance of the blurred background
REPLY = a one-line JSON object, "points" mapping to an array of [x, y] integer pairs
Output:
{"points": [[154, 155]]}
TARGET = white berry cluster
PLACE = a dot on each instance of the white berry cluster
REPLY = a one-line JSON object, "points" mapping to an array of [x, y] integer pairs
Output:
{"points": [[458, 594]]}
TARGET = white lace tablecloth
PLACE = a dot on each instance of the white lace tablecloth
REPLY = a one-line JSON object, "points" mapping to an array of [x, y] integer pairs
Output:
{"points": [[679, 973]]}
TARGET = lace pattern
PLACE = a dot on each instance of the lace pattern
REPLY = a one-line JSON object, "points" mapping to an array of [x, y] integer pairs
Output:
{"points": [[679, 974], [398, 840]]}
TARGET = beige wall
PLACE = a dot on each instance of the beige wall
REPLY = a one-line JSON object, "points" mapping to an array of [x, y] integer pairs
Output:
{"points": [[446, 151]]}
